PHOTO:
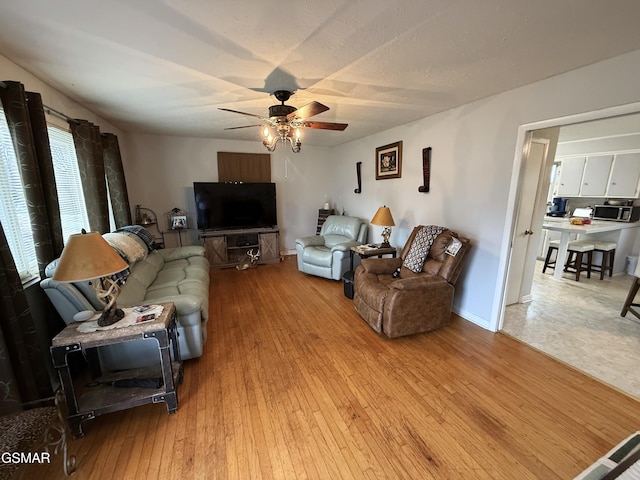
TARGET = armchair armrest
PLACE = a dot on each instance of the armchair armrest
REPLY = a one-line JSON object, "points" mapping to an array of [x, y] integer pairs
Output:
{"points": [[417, 283], [344, 246], [310, 241], [381, 266]]}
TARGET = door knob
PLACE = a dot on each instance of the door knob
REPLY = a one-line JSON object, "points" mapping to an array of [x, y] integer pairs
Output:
{"points": [[528, 232]]}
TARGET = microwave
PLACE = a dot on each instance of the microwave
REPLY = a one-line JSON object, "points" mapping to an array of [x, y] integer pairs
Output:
{"points": [[616, 213]]}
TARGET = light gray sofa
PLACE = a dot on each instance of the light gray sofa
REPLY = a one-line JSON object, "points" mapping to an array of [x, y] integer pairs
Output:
{"points": [[328, 254], [178, 275]]}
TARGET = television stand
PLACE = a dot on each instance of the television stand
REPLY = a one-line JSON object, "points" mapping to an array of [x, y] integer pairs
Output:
{"points": [[228, 248]]}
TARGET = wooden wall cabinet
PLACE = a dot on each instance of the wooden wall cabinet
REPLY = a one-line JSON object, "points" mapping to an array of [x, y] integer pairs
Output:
{"points": [[228, 248]]}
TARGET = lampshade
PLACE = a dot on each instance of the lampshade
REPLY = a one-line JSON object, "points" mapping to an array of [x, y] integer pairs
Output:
{"points": [[383, 217], [87, 256]]}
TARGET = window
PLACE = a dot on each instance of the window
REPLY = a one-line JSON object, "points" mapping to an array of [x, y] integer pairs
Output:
{"points": [[73, 211], [14, 215]]}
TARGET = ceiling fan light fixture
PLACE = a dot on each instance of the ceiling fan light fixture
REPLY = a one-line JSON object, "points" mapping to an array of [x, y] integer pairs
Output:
{"points": [[284, 136]]}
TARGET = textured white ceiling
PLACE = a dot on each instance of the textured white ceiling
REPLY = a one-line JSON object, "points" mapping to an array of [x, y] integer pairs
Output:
{"points": [[166, 66]]}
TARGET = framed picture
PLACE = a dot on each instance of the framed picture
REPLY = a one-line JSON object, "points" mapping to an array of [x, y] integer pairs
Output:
{"points": [[389, 161], [178, 222]]}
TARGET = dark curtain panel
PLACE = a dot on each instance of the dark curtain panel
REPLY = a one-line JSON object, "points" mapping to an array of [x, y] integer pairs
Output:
{"points": [[116, 181], [23, 369], [88, 144], [31, 143], [47, 176]]}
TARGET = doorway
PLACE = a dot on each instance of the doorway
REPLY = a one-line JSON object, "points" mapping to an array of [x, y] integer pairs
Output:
{"points": [[575, 322], [525, 134]]}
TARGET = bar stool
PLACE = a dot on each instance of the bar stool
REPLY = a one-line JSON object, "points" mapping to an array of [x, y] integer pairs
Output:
{"points": [[577, 248], [608, 250]]}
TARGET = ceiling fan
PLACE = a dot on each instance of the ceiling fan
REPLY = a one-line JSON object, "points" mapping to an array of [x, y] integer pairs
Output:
{"points": [[287, 121]]}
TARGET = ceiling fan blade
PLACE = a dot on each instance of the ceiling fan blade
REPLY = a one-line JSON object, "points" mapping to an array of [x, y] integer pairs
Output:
{"points": [[241, 113], [244, 126], [326, 125], [309, 110]]}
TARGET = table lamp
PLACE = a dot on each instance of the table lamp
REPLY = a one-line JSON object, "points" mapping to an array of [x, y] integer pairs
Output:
{"points": [[384, 219], [88, 257]]}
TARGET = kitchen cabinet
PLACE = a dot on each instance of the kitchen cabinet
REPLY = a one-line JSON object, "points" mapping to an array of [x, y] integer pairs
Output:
{"points": [[571, 177], [625, 175], [596, 176], [609, 175]]}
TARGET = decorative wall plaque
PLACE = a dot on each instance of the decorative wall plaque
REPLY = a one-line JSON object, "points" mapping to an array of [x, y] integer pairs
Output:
{"points": [[426, 170]]}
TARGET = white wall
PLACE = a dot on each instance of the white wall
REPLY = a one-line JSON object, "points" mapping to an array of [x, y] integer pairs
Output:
{"points": [[53, 98], [161, 170]]}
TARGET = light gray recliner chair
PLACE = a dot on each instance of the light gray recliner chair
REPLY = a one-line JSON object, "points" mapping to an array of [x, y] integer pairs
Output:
{"points": [[327, 254]]}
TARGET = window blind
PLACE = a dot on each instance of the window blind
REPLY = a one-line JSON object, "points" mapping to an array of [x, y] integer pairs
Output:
{"points": [[73, 211], [13, 208]]}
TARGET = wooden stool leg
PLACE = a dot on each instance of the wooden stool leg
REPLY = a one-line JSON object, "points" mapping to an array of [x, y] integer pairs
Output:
{"points": [[567, 264], [589, 262], [630, 296], [547, 262], [578, 265], [603, 264], [612, 257]]}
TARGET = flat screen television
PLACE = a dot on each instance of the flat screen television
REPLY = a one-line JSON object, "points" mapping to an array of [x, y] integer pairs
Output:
{"points": [[221, 206]]}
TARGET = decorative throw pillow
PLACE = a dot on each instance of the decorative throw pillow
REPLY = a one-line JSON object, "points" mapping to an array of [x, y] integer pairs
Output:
{"points": [[142, 233], [128, 248], [419, 250]]}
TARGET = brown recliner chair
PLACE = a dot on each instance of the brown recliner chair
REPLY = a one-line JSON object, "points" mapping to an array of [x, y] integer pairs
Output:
{"points": [[412, 302]]}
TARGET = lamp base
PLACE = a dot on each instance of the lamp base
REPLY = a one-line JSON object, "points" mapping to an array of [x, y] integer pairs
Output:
{"points": [[385, 245], [110, 316]]}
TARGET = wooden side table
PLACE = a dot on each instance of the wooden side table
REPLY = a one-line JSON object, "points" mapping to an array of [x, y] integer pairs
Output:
{"points": [[364, 251], [87, 400]]}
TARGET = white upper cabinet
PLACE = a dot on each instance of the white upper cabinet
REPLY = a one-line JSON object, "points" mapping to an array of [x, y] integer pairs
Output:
{"points": [[596, 176], [570, 177], [610, 175], [625, 175]]}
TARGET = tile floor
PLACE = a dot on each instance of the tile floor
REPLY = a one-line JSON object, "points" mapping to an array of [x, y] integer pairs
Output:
{"points": [[579, 323]]}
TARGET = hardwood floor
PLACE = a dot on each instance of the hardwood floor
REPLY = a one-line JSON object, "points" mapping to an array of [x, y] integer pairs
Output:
{"points": [[293, 384]]}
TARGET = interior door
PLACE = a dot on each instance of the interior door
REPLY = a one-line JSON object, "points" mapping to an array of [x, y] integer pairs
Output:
{"points": [[534, 185]]}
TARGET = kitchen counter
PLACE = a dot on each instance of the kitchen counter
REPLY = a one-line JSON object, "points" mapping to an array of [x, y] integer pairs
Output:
{"points": [[564, 226], [596, 226]]}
